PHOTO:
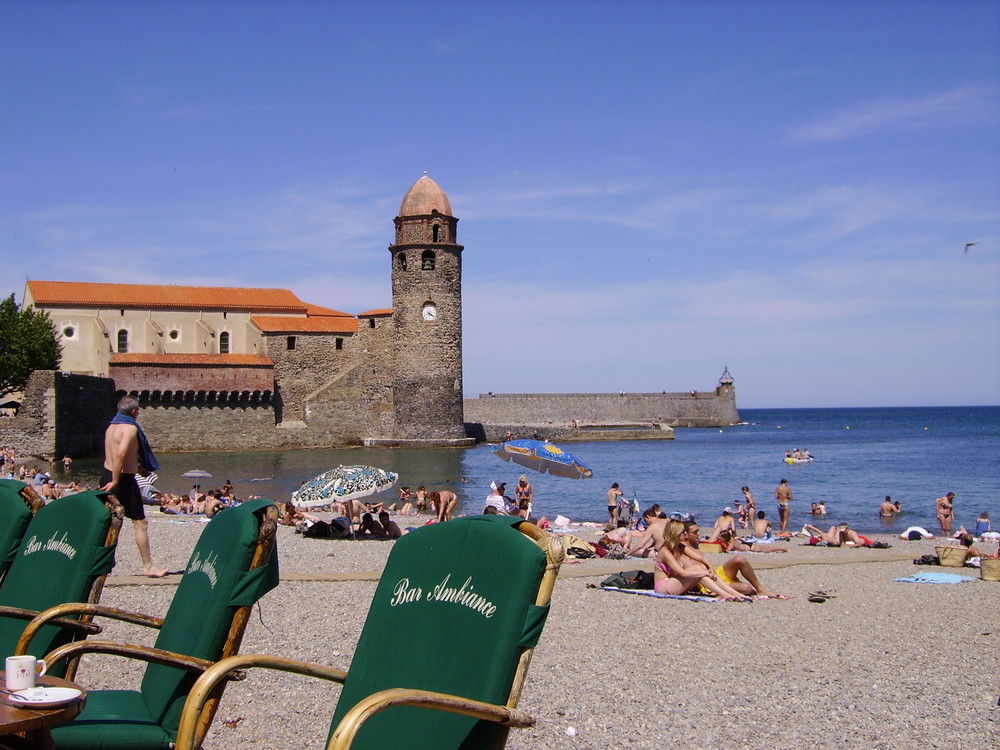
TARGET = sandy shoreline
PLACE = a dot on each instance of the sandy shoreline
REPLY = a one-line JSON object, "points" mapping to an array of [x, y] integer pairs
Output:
{"points": [[881, 665]]}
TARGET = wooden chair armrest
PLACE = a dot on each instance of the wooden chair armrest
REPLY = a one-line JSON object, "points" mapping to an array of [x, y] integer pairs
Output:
{"points": [[203, 689], [131, 651], [28, 614], [363, 710], [40, 619]]}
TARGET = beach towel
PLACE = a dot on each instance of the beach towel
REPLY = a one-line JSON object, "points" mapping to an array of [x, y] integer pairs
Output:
{"points": [[648, 592], [934, 577]]}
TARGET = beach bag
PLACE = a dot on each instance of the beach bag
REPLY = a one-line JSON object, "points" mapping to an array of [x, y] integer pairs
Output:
{"points": [[989, 569], [629, 579], [927, 560], [577, 548], [335, 529], [951, 557]]}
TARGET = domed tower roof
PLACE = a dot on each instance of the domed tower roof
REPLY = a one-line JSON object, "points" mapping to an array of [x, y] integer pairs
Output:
{"points": [[424, 197]]}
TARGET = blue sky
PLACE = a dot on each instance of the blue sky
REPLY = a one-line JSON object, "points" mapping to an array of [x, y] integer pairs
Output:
{"points": [[648, 191]]}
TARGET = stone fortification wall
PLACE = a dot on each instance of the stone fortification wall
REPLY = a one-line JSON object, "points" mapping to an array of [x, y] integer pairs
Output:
{"points": [[61, 414], [692, 409]]}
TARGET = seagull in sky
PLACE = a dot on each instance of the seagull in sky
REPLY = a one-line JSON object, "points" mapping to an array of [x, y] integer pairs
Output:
{"points": [[968, 245]]}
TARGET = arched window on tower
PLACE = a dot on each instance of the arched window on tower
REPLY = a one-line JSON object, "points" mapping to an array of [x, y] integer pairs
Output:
{"points": [[427, 260], [122, 340], [402, 261], [436, 229], [224, 342]]}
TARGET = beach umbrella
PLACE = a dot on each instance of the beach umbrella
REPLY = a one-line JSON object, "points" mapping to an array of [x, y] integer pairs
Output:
{"points": [[343, 483], [543, 457], [196, 474]]}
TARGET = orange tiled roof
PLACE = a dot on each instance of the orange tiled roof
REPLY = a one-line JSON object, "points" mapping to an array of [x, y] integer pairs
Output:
{"points": [[315, 311], [152, 296], [203, 360], [290, 324], [376, 313]]}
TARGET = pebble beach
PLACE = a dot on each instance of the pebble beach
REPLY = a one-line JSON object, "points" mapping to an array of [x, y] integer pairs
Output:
{"points": [[881, 664]]}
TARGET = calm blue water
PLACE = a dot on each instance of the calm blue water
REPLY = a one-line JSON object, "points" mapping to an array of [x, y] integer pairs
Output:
{"points": [[913, 454]]}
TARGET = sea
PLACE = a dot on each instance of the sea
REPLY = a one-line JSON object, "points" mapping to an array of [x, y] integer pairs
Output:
{"points": [[860, 455]]}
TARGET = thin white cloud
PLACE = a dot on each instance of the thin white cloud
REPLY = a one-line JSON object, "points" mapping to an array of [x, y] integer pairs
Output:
{"points": [[970, 102]]}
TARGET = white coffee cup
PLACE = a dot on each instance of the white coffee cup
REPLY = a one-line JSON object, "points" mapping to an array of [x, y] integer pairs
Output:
{"points": [[22, 671]]}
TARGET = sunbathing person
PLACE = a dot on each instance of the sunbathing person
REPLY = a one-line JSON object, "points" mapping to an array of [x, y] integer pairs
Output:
{"points": [[649, 541], [679, 568], [729, 572], [390, 527], [732, 543], [172, 504], [837, 536], [916, 532], [213, 505], [371, 528], [762, 528], [725, 522]]}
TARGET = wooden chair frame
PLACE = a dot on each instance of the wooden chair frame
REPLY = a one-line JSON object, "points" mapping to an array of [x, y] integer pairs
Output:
{"points": [[192, 726], [234, 638], [83, 625]]}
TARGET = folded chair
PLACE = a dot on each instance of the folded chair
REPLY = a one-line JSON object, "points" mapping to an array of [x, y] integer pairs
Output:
{"points": [[18, 502], [477, 591], [65, 554], [233, 564]]}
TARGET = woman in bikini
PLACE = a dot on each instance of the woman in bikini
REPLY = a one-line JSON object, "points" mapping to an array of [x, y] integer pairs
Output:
{"points": [[751, 505], [945, 510], [676, 569], [523, 494]]}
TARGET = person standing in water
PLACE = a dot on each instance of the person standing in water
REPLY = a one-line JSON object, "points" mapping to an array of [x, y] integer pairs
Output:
{"points": [[783, 494], [127, 453]]}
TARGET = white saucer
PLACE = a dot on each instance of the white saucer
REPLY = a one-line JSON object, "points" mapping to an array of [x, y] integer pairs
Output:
{"points": [[51, 696]]}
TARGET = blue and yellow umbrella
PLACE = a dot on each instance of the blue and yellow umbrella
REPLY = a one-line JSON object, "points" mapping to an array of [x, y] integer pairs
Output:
{"points": [[543, 457]]}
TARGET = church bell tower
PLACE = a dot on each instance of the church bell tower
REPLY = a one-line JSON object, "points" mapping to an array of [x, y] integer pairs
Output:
{"points": [[427, 318]]}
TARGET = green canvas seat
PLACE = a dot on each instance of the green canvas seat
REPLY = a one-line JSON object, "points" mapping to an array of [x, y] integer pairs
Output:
{"points": [[477, 589], [65, 553], [232, 566], [17, 504]]}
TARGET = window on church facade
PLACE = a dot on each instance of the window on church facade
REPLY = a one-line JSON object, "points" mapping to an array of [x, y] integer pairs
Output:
{"points": [[339, 344], [427, 260], [402, 261], [290, 343], [122, 340], [224, 342], [437, 233]]}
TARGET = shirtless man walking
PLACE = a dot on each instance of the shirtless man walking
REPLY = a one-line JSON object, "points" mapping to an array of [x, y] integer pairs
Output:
{"points": [[783, 494], [124, 444]]}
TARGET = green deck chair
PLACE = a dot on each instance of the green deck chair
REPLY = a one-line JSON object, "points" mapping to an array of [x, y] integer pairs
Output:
{"points": [[18, 502], [232, 566], [477, 590], [65, 554]]}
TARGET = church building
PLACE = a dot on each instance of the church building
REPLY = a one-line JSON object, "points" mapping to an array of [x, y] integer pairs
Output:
{"points": [[219, 368]]}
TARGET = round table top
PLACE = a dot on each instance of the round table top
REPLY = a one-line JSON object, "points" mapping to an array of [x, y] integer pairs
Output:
{"points": [[15, 718]]}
